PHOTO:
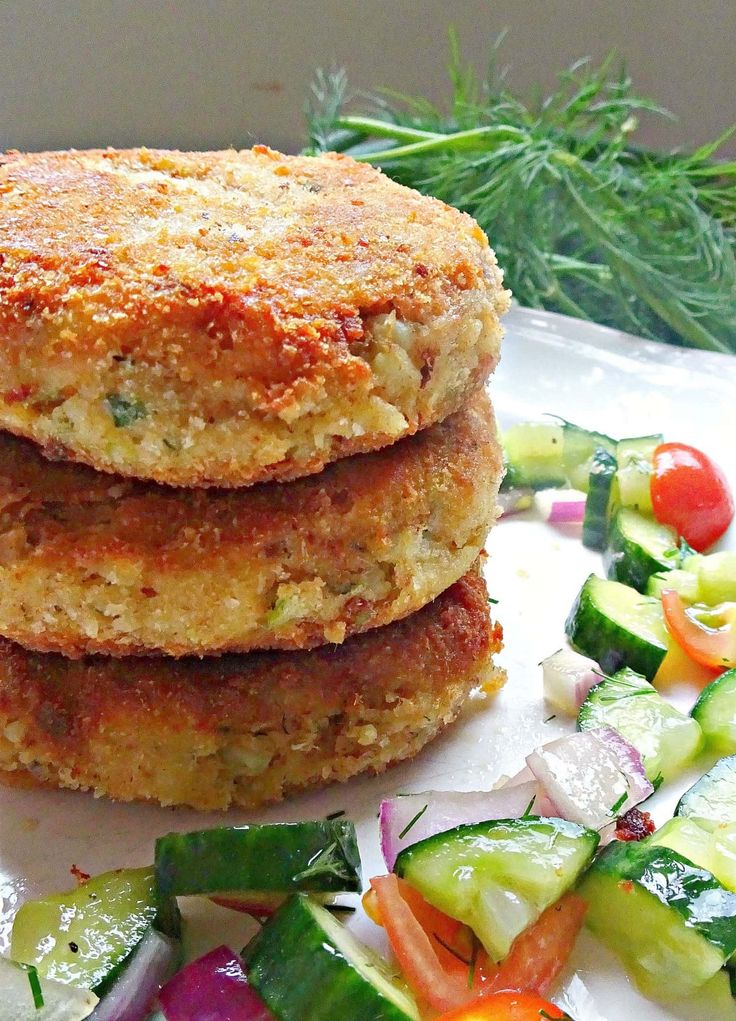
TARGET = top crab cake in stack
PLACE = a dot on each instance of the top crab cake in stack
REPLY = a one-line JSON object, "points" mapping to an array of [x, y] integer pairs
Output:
{"points": [[243, 410], [220, 319]]}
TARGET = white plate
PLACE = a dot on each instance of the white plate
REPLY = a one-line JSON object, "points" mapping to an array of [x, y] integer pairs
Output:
{"points": [[587, 374]]}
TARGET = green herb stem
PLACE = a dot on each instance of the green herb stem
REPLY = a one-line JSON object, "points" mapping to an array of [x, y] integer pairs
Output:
{"points": [[663, 299], [474, 138], [384, 129], [583, 220]]}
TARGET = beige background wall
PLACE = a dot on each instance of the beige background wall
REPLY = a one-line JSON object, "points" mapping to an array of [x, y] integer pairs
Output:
{"points": [[209, 73]]}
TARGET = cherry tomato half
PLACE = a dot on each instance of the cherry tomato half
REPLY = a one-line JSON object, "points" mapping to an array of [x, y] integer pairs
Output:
{"points": [[506, 1007], [690, 494]]}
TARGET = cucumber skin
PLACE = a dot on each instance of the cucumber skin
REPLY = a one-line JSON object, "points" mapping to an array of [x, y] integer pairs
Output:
{"points": [[637, 907], [695, 894], [258, 859], [578, 450], [600, 485], [628, 562], [563, 826], [708, 703], [288, 968], [516, 477], [596, 642]]}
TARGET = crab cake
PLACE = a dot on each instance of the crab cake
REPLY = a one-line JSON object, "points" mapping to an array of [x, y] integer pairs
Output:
{"points": [[233, 317], [93, 563], [245, 730]]}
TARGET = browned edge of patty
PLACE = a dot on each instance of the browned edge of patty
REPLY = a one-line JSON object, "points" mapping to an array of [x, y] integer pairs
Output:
{"points": [[211, 288], [251, 729], [90, 563]]}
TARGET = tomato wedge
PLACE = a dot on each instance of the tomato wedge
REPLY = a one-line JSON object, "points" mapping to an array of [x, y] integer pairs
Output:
{"points": [[506, 1007], [691, 494], [540, 953], [450, 965], [415, 953], [713, 647]]}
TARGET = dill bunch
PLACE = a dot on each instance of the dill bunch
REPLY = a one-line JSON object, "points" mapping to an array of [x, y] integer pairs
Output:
{"points": [[583, 220]]}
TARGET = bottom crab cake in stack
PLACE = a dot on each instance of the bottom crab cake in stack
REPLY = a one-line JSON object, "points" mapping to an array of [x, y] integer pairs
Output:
{"points": [[91, 563], [243, 730]]}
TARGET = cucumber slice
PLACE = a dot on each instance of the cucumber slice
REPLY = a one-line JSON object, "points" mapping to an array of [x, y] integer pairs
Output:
{"points": [[24, 995], [724, 857], [533, 455], [672, 923], [682, 581], [580, 447], [307, 966], [597, 506], [688, 838], [498, 876], [712, 800], [638, 547], [635, 456], [716, 574], [709, 846], [713, 1000], [231, 861], [85, 937], [550, 455], [715, 711], [617, 626], [666, 739]]}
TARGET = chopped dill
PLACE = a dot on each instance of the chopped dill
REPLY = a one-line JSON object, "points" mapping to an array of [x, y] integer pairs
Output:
{"points": [[614, 809], [413, 822]]}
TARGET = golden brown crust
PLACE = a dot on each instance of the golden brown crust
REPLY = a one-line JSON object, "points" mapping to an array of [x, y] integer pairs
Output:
{"points": [[250, 729], [94, 563], [232, 296]]}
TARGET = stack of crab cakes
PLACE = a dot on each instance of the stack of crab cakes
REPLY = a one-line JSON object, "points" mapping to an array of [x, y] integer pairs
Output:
{"points": [[247, 469]]}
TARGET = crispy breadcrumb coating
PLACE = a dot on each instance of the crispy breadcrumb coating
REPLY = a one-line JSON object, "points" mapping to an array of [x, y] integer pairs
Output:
{"points": [[245, 730], [94, 563], [233, 317]]}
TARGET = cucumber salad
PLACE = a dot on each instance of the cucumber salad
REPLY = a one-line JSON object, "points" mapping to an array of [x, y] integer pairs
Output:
{"points": [[484, 893]]}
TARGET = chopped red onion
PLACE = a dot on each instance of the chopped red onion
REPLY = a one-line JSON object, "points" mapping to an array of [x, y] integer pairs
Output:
{"points": [[409, 818], [214, 987], [132, 995], [630, 757], [591, 777], [563, 512], [567, 678], [542, 805], [523, 776]]}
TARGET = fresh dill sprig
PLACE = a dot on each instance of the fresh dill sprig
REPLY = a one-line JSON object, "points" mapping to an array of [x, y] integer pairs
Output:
{"points": [[583, 220]]}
